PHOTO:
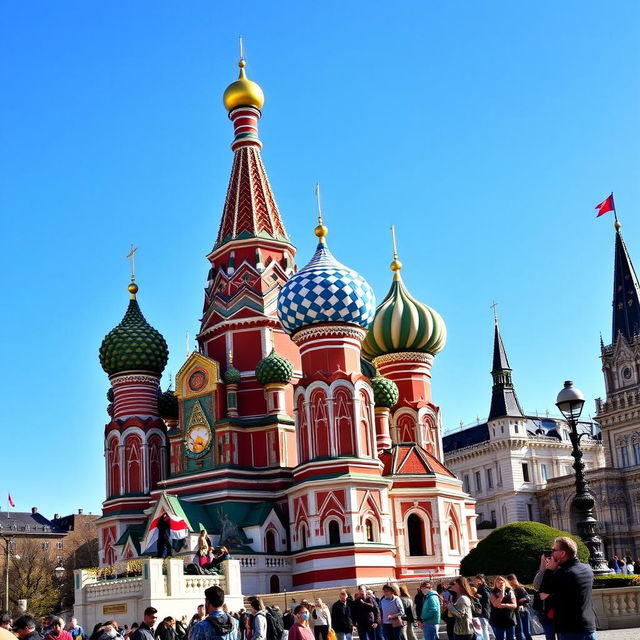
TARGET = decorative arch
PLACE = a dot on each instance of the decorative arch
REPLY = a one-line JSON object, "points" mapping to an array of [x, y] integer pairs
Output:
{"points": [[343, 419], [320, 421], [364, 425], [303, 535], [156, 449], [303, 431], [270, 538], [113, 467], [406, 428], [430, 434], [274, 584], [371, 528], [453, 529], [415, 527], [108, 548], [133, 470]]}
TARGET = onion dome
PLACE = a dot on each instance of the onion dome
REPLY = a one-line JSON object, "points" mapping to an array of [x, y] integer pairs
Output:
{"points": [[168, 405], [134, 345], [385, 392], [243, 92], [274, 369], [402, 323], [325, 291], [231, 375]]}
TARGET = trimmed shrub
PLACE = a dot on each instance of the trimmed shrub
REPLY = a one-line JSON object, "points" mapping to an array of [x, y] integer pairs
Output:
{"points": [[616, 580], [515, 548]]}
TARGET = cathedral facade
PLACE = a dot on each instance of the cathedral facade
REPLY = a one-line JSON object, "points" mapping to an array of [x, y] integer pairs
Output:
{"points": [[302, 433]]}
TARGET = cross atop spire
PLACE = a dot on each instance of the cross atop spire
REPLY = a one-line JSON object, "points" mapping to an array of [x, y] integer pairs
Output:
{"points": [[504, 401]]}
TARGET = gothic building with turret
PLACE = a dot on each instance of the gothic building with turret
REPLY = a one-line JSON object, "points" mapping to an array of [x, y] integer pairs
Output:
{"points": [[302, 433]]}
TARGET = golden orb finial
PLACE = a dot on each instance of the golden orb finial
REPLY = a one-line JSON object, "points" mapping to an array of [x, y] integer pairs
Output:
{"points": [[133, 289], [321, 231], [617, 225], [243, 92]]}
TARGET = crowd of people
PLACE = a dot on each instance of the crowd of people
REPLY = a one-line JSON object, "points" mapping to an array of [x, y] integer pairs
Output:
{"points": [[471, 609]]}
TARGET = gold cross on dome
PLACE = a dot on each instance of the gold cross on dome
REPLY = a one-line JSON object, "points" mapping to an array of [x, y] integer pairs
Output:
{"points": [[131, 255]]}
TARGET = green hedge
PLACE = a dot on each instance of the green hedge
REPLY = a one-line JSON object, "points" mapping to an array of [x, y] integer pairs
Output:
{"points": [[515, 548], [616, 580]]}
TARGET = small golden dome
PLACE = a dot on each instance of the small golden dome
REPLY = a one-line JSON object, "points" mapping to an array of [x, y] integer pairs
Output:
{"points": [[617, 225], [133, 289], [243, 92], [321, 231]]}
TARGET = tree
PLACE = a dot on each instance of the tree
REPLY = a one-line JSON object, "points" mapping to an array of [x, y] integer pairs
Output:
{"points": [[515, 548]]}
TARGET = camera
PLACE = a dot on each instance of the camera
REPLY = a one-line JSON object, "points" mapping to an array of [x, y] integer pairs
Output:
{"points": [[548, 553]]}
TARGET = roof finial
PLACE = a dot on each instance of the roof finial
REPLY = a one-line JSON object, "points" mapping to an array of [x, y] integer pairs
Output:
{"points": [[396, 265], [320, 231], [133, 287], [241, 49], [186, 340], [230, 357], [495, 313], [272, 339]]}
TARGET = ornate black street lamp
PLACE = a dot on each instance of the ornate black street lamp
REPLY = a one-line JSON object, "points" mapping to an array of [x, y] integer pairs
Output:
{"points": [[570, 402]]}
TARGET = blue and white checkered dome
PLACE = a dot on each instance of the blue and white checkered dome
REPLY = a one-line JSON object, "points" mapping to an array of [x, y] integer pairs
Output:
{"points": [[325, 291]]}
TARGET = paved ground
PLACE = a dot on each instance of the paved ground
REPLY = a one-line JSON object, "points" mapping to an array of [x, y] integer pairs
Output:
{"points": [[617, 634]]}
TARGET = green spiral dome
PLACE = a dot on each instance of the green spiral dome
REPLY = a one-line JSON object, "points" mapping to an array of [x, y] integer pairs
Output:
{"points": [[168, 405], [385, 392], [231, 375], [402, 323], [134, 345], [274, 369]]}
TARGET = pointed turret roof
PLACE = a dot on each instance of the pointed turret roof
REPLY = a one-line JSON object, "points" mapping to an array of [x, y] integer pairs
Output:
{"points": [[250, 209], [626, 293], [504, 401]]}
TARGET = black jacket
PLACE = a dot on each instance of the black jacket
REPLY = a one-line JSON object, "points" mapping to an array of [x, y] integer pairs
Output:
{"points": [[569, 588], [341, 617], [418, 601], [143, 632], [484, 596], [365, 612]]}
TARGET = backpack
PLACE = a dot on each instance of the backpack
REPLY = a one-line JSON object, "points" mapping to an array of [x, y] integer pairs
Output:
{"points": [[275, 624], [476, 608]]}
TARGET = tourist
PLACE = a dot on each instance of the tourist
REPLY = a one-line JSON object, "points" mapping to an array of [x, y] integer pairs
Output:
{"points": [[218, 625], [365, 613], [198, 616], [321, 620], [259, 627], [392, 610], [181, 628], [300, 629], [409, 613], [461, 609], [204, 543], [566, 590], [522, 630], [76, 631], [483, 593], [145, 630], [503, 606], [25, 628], [165, 630], [341, 621], [628, 565], [447, 596], [5, 620], [430, 613], [57, 630], [164, 536], [132, 630]]}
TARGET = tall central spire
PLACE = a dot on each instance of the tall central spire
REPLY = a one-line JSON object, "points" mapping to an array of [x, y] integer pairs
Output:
{"points": [[626, 293], [504, 401], [250, 209]]}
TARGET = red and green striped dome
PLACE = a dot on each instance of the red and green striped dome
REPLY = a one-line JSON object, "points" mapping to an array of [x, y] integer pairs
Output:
{"points": [[402, 323]]}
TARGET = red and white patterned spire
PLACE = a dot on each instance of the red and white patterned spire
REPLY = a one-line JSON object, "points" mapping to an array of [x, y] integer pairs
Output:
{"points": [[250, 209]]}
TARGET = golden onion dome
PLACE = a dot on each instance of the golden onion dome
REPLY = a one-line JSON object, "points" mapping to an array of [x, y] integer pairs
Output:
{"points": [[243, 92]]}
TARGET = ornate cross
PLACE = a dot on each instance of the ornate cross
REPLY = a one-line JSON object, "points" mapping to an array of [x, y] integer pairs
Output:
{"points": [[131, 255]]}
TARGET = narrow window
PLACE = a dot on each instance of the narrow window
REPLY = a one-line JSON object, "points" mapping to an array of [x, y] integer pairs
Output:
{"points": [[415, 533], [334, 532], [478, 481], [467, 484], [490, 478], [544, 472], [525, 471]]}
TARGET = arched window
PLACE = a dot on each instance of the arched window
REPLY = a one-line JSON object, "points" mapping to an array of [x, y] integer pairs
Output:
{"points": [[453, 537], [113, 470], [415, 535], [274, 584], [133, 464], [270, 542], [320, 423], [364, 425], [334, 532], [302, 536], [370, 530], [406, 429], [343, 413], [155, 462]]}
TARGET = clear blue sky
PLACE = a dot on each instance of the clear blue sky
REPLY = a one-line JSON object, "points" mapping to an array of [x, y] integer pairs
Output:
{"points": [[486, 131]]}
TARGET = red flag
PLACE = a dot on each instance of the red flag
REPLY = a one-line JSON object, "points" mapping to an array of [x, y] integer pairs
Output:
{"points": [[11, 502], [605, 206]]}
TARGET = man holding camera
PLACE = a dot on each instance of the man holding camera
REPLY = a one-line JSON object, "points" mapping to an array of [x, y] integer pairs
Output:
{"points": [[566, 590]]}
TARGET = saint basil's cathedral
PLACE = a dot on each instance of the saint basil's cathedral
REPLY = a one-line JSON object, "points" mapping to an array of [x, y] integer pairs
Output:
{"points": [[302, 433]]}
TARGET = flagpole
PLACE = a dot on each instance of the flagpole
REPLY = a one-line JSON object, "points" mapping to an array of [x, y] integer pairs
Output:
{"points": [[613, 202]]}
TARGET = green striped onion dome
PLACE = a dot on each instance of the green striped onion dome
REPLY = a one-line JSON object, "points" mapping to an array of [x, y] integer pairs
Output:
{"points": [[385, 392], [274, 368], [402, 323], [231, 375], [168, 405], [134, 345]]}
